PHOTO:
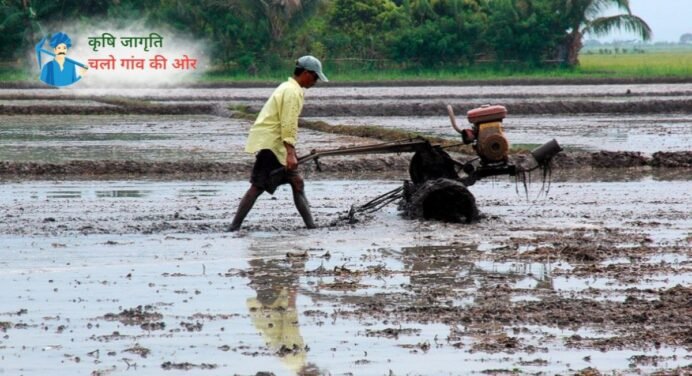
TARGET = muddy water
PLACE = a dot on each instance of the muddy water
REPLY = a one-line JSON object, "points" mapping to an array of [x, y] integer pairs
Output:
{"points": [[138, 277], [642, 133], [392, 101], [212, 138], [200, 139], [73, 137], [48, 138]]}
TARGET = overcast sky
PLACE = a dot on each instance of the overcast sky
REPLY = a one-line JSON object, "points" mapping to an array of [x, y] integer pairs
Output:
{"points": [[668, 19]]}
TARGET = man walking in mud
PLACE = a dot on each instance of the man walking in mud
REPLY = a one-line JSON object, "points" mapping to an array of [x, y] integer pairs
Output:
{"points": [[273, 137]]}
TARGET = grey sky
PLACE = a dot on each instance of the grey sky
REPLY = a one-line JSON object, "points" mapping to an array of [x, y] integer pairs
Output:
{"points": [[668, 19]]}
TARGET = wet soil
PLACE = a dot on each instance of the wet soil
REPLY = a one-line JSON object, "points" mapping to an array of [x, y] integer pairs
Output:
{"points": [[624, 159], [588, 132], [123, 276], [521, 108], [349, 166], [363, 101], [197, 129], [114, 246], [135, 143]]}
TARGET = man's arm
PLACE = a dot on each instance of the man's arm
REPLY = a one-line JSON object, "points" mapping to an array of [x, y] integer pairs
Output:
{"points": [[290, 110], [291, 157]]}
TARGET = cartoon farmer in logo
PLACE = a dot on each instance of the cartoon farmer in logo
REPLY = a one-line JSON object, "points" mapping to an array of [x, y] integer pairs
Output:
{"points": [[61, 71]]}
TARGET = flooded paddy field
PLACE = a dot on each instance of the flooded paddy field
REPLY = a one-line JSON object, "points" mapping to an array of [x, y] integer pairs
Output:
{"points": [[592, 132], [137, 277], [49, 138], [645, 118], [134, 273], [359, 101]]}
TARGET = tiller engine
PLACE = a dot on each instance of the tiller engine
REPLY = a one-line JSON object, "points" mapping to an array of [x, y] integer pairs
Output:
{"points": [[438, 189]]}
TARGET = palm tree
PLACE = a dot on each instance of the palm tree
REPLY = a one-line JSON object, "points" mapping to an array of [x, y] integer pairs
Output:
{"points": [[582, 17]]}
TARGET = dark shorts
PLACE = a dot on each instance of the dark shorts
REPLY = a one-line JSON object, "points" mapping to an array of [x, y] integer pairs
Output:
{"points": [[268, 173]]}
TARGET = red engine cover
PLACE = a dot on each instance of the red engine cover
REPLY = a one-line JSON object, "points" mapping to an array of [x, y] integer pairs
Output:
{"points": [[486, 114]]}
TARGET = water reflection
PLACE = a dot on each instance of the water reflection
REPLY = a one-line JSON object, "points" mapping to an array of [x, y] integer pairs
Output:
{"points": [[459, 275], [63, 194], [122, 193], [462, 266], [525, 275], [273, 308], [199, 192], [440, 266]]}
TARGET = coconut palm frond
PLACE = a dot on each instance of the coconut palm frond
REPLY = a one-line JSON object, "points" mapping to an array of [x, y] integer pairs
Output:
{"points": [[628, 22], [593, 8], [584, 16], [623, 5], [597, 7]]}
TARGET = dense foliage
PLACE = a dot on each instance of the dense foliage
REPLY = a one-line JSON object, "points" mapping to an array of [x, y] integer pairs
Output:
{"points": [[252, 35]]}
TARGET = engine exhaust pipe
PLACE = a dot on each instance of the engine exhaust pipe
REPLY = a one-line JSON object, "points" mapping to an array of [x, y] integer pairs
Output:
{"points": [[544, 153], [453, 120]]}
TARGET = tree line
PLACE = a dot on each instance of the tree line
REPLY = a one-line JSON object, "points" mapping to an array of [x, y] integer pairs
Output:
{"points": [[259, 35]]}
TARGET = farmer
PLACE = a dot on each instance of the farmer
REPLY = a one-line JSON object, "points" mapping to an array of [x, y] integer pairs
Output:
{"points": [[60, 72], [273, 139]]}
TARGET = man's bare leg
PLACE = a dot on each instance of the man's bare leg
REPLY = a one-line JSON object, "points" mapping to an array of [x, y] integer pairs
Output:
{"points": [[245, 206], [301, 201]]}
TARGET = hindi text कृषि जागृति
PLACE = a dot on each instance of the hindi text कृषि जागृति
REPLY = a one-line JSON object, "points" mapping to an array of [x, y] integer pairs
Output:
{"points": [[108, 40]]}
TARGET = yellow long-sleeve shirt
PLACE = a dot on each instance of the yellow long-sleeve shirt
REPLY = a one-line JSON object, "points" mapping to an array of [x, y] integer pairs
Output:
{"points": [[278, 324], [278, 121]]}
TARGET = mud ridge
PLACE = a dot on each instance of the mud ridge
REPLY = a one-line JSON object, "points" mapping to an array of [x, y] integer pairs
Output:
{"points": [[432, 108], [119, 167], [407, 96], [110, 167], [117, 109], [623, 159], [574, 160]]}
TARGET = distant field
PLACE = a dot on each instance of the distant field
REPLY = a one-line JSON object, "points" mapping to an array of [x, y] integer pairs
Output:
{"points": [[367, 74], [650, 64], [647, 65]]}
